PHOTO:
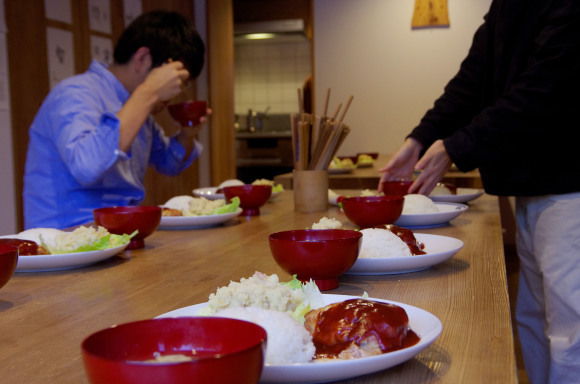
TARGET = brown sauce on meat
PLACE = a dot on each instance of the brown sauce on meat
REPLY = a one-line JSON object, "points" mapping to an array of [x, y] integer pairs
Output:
{"points": [[25, 247], [407, 236], [354, 321]]}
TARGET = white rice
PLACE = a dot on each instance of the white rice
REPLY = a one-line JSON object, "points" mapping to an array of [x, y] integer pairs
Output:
{"points": [[378, 243], [288, 341], [327, 223], [418, 204]]}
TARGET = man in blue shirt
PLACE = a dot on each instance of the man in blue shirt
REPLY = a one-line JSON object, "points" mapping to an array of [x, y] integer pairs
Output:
{"points": [[93, 137]]}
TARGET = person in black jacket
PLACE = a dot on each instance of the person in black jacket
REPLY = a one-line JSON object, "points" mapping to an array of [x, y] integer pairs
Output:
{"points": [[512, 111]]}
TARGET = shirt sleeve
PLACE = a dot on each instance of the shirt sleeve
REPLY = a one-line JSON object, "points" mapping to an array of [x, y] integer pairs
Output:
{"points": [[87, 138], [509, 92], [168, 156]]}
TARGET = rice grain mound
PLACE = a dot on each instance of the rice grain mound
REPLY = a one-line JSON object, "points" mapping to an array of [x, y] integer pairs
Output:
{"points": [[288, 341], [379, 243], [418, 204]]}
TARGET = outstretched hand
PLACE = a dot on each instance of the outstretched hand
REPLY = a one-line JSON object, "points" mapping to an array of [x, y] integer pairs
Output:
{"points": [[402, 164], [432, 166]]}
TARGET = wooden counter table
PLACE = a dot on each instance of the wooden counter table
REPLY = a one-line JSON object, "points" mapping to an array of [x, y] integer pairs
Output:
{"points": [[44, 317], [368, 177]]}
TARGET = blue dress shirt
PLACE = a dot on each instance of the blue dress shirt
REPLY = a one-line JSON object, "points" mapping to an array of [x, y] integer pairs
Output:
{"points": [[74, 164]]}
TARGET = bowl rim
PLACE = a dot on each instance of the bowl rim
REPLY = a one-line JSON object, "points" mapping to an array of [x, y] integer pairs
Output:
{"points": [[85, 348], [128, 209], [349, 235], [246, 186], [8, 249], [372, 199]]}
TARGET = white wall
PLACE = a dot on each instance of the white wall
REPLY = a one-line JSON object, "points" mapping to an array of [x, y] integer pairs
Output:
{"points": [[366, 48], [268, 73], [7, 190]]}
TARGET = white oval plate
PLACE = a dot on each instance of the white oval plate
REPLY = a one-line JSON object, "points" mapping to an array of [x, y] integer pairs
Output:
{"points": [[438, 248], [209, 193], [42, 263], [196, 222], [447, 212], [463, 195], [424, 324]]}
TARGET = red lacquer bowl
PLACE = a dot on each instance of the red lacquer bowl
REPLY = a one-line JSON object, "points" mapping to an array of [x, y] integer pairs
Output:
{"points": [[252, 197], [8, 261], [318, 254], [226, 351], [121, 220], [370, 211], [187, 114], [396, 188]]}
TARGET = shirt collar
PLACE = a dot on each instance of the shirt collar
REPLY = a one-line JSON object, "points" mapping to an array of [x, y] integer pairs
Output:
{"points": [[101, 70]]}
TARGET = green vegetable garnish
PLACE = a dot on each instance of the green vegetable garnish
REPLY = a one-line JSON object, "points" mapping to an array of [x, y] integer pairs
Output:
{"points": [[312, 295], [228, 208], [105, 242]]}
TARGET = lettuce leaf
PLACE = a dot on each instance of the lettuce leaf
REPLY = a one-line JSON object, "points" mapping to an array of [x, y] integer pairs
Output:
{"points": [[277, 188], [228, 208], [105, 242]]}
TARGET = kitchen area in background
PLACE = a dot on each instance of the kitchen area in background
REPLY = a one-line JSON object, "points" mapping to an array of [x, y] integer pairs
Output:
{"points": [[272, 60]]}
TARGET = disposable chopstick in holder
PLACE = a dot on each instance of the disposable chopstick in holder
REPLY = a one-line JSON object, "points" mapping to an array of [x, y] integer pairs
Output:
{"points": [[295, 140]]}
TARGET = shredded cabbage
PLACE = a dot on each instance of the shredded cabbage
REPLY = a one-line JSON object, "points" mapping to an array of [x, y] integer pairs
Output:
{"points": [[312, 297]]}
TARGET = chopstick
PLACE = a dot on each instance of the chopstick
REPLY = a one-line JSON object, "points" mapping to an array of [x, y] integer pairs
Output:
{"points": [[315, 140]]}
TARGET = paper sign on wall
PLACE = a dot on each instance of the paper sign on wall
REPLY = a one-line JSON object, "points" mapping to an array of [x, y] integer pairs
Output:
{"points": [[59, 10], [131, 9], [430, 13], [100, 16], [102, 49], [59, 44]]}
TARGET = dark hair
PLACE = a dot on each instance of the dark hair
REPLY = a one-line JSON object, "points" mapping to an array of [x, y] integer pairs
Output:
{"points": [[168, 35]]}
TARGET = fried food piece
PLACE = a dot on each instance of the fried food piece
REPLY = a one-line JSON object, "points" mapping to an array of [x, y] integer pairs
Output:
{"points": [[358, 328], [26, 247], [171, 212]]}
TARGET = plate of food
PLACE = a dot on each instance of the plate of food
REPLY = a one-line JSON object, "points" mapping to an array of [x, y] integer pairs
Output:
{"points": [[197, 222], [421, 211], [341, 165], [461, 195], [188, 212], [398, 250], [49, 249], [366, 160], [216, 193], [418, 330]]}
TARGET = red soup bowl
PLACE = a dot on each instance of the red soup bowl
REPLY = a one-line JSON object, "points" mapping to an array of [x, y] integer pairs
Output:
{"points": [[176, 351], [125, 220], [318, 254], [187, 114], [8, 261], [396, 188], [252, 197], [370, 211]]}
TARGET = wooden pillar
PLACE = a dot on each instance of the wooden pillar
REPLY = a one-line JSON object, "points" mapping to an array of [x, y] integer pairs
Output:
{"points": [[220, 44]]}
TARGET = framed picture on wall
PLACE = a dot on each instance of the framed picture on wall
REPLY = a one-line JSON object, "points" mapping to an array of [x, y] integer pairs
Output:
{"points": [[60, 51]]}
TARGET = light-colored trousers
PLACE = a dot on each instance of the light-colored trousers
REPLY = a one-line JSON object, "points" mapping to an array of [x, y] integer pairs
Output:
{"points": [[548, 304]]}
